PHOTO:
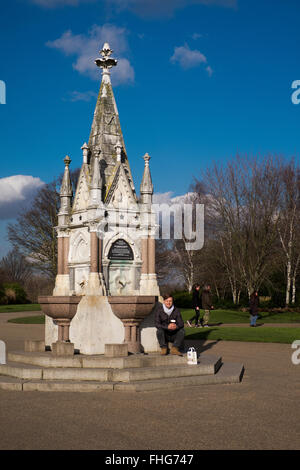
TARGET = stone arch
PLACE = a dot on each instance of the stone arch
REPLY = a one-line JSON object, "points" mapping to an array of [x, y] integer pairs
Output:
{"points": [[80, 248], [128, 239]]}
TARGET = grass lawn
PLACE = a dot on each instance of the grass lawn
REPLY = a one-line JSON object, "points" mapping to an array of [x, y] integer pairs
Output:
{"points": [[235, 316], [260, 335], [38, 320], [20, 308]]}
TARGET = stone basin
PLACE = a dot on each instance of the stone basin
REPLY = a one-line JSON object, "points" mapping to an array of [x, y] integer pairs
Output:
{"points": [[131, 310], [61, 309]]}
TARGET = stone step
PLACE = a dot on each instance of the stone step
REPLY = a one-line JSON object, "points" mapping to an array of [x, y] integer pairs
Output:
{"points": [[66, 386], [11, 384], [228, 373], [21, 371], [207, 365], [46, 359]]}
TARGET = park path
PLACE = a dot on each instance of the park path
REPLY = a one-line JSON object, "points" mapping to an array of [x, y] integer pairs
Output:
{"points": [[4, 317], [258, 413]]}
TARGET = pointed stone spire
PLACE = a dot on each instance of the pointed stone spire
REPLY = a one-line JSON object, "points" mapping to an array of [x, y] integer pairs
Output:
{"points": [[66, 193], [146, 188], [66, 185], [106, 129]]}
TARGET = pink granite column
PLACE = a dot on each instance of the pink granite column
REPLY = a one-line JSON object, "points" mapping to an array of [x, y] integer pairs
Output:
{"points": [[145, 255], [66, 244], [99, 255], [60, 255], [94, 253], [151, 255]]}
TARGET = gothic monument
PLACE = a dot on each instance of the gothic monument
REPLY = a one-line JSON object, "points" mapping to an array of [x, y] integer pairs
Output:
{"points": [[106, 244]]}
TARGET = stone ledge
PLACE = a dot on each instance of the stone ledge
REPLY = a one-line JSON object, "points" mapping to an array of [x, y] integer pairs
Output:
{"points": [[61, 348], [116, 350], [34, 346]]}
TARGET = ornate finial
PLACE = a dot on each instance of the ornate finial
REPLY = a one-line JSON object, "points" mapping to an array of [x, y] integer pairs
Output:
{"points": [[106, 62], [67, 160], [118, 148], [85, 151], [146, 158]]}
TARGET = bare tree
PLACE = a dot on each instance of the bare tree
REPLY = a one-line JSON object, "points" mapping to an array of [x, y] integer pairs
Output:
{"points": [[245, 196], [289, 227], [15, 267]]}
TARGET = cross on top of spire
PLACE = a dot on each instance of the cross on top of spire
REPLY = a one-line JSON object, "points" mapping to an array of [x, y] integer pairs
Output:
{"points": [[106, 62]]}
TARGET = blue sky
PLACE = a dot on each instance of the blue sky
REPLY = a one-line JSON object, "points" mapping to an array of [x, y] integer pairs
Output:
{"points": [[197, 81]]}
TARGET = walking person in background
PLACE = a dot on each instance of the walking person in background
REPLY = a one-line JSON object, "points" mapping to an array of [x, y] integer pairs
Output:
{"points": [[196, 305], [206, 304], [253, 307]]}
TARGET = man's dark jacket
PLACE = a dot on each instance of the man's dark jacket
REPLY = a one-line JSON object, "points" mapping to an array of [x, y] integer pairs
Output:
{"points": [[206, 300], [196, 299], [253, 304], [162, 320]]}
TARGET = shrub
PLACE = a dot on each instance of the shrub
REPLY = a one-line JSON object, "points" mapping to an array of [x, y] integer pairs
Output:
{"points": [[182, 299], [2, 294], [225, 304], [14, 294]]}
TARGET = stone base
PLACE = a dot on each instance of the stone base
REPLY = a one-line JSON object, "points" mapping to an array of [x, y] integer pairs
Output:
{"points": [[95, 325], [148, 333], [62, 285], [116, 350], [96, 285], [34, 346], [60, 348], [149, 285]]}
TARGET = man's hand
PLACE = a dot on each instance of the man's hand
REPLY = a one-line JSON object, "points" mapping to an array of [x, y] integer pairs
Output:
{"points": [[172, 326]]}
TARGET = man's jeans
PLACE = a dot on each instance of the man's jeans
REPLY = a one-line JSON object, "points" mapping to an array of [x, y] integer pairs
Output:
{"points": [[206, 317], [164, 336], [253, 319]]}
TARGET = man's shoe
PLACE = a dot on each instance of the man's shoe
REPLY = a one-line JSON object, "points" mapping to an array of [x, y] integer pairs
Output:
{"points": [[164, 351], [206, 326], [199, 326], [175, 351]]}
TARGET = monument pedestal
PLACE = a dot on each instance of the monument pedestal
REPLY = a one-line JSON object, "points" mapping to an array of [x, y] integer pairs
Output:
{"points": [[95, 325]]}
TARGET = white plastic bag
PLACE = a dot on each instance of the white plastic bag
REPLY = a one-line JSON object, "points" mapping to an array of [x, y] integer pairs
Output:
{"points": [[192, 356]]}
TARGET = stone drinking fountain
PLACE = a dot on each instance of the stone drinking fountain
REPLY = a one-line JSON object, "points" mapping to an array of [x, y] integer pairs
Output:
{"points": [[61, 309], [131, 310]]}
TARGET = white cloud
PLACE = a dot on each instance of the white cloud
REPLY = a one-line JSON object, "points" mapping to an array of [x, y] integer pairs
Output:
{"points": [[162, 198], [196, 36], [85, 47], [187, 58], [209, 70], [16, 191], [168, 198]]}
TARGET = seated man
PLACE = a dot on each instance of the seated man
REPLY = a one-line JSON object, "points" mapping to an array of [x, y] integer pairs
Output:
{"points": [[170, 326]]}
